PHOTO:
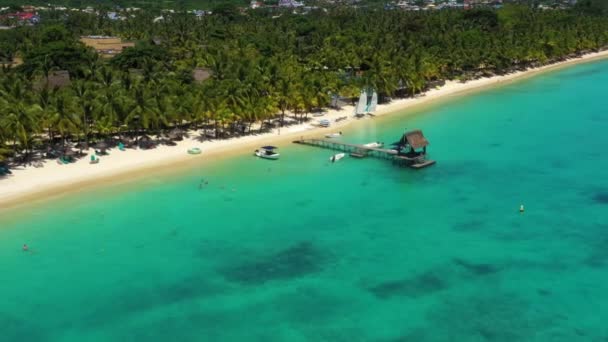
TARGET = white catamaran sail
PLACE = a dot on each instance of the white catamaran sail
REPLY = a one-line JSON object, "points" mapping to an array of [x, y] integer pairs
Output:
{"points": [[372, 106], [361, 107]]}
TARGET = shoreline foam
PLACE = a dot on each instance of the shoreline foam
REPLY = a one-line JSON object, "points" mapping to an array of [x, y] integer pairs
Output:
{"points": [[38, 184]]}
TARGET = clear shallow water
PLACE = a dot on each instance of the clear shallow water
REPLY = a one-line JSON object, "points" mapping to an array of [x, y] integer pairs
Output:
{"points": [[305, 250]]}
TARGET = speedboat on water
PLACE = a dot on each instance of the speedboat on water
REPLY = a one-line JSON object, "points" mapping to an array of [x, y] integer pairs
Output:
{"points": [[333, 135], [336, 157], [376, 144], [267, 152]]}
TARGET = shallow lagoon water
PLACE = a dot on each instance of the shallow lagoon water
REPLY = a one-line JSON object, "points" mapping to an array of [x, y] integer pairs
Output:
{"points": [[360, 250]]}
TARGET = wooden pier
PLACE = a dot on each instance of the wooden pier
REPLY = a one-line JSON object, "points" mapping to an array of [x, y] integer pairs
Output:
{"points": [[361, 151]]}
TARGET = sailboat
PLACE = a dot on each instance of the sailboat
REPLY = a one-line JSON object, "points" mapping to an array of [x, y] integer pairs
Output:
{"points": [[374, 102], [360, 108]]}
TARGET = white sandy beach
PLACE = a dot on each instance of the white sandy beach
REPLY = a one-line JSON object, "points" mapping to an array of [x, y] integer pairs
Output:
{"points": [[31, 182]]}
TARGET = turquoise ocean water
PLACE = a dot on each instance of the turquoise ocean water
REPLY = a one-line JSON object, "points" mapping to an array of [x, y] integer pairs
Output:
{"points": [[304, 250]]}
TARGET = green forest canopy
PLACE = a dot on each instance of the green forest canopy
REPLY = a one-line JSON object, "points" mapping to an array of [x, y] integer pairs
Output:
{"points": [[263, 64]]}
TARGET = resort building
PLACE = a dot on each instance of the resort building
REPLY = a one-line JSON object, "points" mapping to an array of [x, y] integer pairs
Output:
{"points": [[106, 46], [21, 17], [290, 3]]}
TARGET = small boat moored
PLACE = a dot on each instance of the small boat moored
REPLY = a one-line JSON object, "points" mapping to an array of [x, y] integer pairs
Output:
{"points": [[267, 152], [376, 144], [333, 135], [194, 150], [336, 157]]}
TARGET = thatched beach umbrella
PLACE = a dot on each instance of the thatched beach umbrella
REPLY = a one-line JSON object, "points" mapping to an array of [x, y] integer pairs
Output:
{"points": [[145, 142], [176, 134], [82, 145], [127, 141], [68, 154], [102, 146]]}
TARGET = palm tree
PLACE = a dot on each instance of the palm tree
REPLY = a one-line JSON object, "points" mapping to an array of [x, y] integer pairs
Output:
{"points": [[20, 122], [86, 106], [112, 106], [61, 116], [143, 113]]}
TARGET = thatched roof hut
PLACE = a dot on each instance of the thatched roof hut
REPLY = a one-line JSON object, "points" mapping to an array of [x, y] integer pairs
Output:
{"points": [[415, 139], [201, 74], [56, 79], [59, 79]]}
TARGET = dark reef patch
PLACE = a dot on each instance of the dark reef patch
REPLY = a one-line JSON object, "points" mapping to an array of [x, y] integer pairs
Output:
{"points": [[468, 225], [420, 285], [559, 164], [543, 292], [293, 262], [16, 329], [475, 268], [305, 305], [600, 197], [488, 317], [141, 299], [598, 256], [303, 203]]}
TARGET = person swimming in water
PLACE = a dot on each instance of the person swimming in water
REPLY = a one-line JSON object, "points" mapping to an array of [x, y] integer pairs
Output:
{"points": [[25, 248]]}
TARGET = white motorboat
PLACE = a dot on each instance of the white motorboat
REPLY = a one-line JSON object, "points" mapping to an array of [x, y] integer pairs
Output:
{"points": [[333, 135], [267, 152], [376, 144], [336, 157]]}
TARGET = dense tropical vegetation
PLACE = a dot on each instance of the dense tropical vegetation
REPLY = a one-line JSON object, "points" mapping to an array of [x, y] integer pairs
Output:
{"points": [[264, 64]]}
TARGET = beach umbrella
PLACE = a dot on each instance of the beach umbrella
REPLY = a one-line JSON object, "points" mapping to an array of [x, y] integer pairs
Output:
{"points": [[81, 145], [145, 141], [176, 133], [102, 145]]}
